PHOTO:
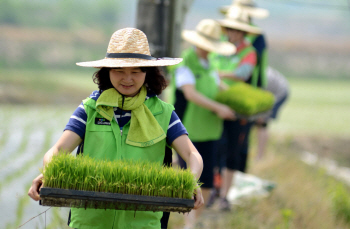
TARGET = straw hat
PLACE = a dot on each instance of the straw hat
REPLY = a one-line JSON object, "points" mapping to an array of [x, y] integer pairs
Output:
{"points": [[249, 6], [207, 37], [237, 18], [129, 48]]}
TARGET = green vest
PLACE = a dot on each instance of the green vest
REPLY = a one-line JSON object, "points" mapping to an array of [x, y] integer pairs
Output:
{"points": [[201, 124], [230, 63], [260, 70], [108, 142]]}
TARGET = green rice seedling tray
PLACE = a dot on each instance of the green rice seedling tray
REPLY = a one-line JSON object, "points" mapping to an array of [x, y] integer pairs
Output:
{"points": [[246, 100], [84, 182], [57, 197]]}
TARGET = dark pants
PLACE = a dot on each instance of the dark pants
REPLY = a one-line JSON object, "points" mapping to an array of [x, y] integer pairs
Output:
{"points": [[208, 152], [233, 145]]}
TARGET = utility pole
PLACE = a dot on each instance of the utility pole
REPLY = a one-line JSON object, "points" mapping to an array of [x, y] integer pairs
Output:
{"points": [[176, 23], [162, 21]]}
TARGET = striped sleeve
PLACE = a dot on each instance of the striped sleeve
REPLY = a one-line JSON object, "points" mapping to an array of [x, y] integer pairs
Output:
{"points": [[175, 128], [77, 122], [246, 66], [244, 71]]}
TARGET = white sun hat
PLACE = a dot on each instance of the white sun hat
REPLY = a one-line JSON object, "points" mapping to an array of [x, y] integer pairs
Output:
{"points": [[237, 18], [129, 47], [249, 6], [207, 37]]}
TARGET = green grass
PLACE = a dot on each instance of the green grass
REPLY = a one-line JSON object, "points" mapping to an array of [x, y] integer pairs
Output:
{"points": [[127, 177], [316, 107], [341, 202]]}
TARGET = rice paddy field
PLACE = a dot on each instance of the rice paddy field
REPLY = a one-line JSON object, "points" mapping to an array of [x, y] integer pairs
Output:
{"points": [[26, 134], [316, 118]]}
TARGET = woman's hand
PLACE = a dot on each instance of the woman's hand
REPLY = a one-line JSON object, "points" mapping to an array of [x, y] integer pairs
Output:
{"points": [[66, 143], [185, 148], [35, 188], [199, 200], [222, 74], [225, 75], [225, 112]]}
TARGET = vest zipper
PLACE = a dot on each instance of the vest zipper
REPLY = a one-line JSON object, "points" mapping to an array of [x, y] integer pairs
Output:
{"points": [[121, 132]]}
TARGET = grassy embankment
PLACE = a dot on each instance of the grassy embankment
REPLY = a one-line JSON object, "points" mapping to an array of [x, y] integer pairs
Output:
{"points": [[314, 119]]}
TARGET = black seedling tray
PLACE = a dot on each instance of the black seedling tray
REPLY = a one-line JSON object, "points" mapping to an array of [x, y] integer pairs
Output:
{"points": [[103, 200], [254, 116]]}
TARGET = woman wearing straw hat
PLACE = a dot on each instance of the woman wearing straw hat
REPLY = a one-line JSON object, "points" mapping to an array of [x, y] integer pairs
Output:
{"points": [[265, 75], [196, 86], [136, 125], [258, 41], [240, 66]]}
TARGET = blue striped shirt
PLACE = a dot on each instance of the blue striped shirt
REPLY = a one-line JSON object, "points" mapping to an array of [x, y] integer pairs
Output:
{"points": [[77, 122]]}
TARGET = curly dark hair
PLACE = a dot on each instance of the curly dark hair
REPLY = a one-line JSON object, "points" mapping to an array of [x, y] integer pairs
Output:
{"points": [[155, 80]]}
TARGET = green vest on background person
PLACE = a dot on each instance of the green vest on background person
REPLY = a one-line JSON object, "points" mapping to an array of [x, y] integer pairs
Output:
{"points": [[201, 124], [108, 142], [230, 63]]}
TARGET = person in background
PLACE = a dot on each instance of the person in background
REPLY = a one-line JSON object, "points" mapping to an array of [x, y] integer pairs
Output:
{"points": [[264, 74], [258, 41], [237, 67], [279, 86], [137, 125], [197, 84]]}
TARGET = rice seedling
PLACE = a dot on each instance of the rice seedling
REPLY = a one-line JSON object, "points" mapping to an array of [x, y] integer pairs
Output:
{"points": [[126, 177], [22, 202], [245, 99]]}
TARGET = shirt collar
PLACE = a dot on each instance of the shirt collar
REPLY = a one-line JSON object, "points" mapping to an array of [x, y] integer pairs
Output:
{"points": [[96, 94]]}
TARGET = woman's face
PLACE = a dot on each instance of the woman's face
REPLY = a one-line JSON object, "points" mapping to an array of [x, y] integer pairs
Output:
{"points": [[202, 53], [127, 81], [235, 36]]}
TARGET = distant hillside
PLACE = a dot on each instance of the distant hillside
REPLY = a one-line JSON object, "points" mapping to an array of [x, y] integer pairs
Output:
{"points": [[54, 34], [23, 47], [303, 41]]}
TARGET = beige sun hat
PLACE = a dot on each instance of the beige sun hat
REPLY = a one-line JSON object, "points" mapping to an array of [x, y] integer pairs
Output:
{"points": [[249, 6], [129, 47], [207, 37], [237, 18]]}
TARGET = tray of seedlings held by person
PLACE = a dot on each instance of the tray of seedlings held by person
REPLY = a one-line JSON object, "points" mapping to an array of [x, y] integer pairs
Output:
{"points": [[84, 182], [248, 102]]}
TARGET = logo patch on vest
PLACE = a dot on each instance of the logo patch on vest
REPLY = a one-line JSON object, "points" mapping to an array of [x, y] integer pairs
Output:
{"points": [[102, 121]]}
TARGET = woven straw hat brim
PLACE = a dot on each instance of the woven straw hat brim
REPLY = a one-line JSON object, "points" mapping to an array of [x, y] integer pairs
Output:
{"points": [[233, 24], [221, 47], [259, 13], [129, 62]]}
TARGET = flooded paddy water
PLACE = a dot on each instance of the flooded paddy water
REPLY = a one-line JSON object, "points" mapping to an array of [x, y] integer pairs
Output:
{"points": [[26, 133]]}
